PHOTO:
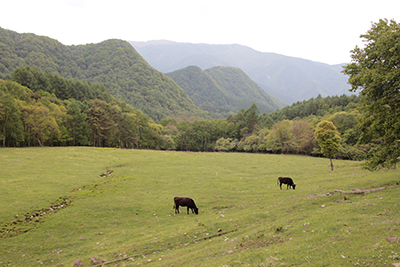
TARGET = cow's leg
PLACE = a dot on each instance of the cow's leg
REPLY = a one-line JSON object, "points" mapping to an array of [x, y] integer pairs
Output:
{"points": [[187, 209], [280, 185], [177, 209]]}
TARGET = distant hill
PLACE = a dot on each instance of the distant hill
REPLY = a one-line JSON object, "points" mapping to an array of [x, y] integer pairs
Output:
{"points": [[287, 78], [223, 90], [114, 63]]}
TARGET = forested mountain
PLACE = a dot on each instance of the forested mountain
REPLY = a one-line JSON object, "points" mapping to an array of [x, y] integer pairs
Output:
{"points": [[36, 108], [287, 78], [114, 63], [223, 90], [239, 85], [33, 115], [62, 88]]}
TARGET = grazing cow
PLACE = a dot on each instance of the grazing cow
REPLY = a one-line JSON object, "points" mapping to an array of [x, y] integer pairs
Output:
{"points": [[286, 180], [185, 202]]}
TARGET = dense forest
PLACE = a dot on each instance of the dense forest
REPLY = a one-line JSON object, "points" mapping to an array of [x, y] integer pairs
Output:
{"points": [[66, 97], [35, 116], [38, 108], [223, 90], [113, 63]]}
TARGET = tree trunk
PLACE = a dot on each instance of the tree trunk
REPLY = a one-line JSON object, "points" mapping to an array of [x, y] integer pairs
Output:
{"points": [[138, 138], [4, 137], [94, 138], [331, 164], [73, 133]]}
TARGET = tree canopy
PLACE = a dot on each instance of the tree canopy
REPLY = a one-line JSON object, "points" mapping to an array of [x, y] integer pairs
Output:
{"points": [[39, 106], [37, 117], [374, 71], [328, 139], [113, 63], [222, 91]]}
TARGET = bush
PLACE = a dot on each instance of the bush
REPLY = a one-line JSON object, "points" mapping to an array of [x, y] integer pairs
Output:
{"points": [[227, 144]]}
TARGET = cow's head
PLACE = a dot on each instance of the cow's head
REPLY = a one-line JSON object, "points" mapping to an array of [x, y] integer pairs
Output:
{"points": [[196, 210], [294, 186]]}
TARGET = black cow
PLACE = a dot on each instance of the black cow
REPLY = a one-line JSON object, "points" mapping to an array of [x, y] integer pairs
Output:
{"points": [[286, 180], [185, 202]]}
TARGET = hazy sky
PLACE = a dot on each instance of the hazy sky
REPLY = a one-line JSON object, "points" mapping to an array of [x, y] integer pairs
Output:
{"points": [[323, 31]]}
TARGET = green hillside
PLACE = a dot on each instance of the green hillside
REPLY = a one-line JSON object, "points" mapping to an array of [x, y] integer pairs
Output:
{"points": [[224, 90], [239, 85], [114, 63], [201, 89], [287, 78]]}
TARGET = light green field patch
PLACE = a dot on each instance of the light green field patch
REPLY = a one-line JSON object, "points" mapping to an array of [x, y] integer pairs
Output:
{"points": [[244, 218]]}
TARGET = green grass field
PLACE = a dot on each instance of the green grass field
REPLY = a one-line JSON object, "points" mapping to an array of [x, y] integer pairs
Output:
{"points": [[55, 208]]}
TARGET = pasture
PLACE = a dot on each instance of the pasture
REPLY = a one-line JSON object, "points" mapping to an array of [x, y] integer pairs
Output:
{"points": [[58, 205]]}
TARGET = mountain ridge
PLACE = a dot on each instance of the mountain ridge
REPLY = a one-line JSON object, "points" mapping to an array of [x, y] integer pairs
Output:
{"points": [[287, 78], [114, 63], [223, 89]]}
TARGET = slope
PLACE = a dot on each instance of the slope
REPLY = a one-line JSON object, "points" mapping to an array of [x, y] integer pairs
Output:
{"points": [[115, 63], [288, 78], [242, 89], [201, 89], [224, 90]]}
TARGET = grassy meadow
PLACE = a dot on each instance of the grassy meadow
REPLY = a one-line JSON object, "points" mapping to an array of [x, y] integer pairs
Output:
{"points": [[56, 207]]}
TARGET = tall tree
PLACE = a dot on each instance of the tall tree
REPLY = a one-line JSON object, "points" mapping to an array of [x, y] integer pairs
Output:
{"points": [[76, 122], [99, 117], [375, 72], [202, 134], [10, 119], [251, 116], [240, 124], [328, 139], [40, 123], [302, 140], [279, 137]]}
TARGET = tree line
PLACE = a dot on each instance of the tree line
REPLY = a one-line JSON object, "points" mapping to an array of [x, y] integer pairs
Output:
{"points": [[112, 63], [40, 118], [39, 109], [42, 109]]}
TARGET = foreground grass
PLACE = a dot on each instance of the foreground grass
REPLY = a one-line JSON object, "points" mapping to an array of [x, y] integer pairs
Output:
{"points": [[244, 218]]}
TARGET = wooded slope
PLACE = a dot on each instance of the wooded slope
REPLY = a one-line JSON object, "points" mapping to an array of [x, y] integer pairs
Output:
{"points": [[223, 90], [287, 78], [115, 63]]}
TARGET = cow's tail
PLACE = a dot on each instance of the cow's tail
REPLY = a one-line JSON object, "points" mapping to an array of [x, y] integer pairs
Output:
{"points": [[277, 181]]}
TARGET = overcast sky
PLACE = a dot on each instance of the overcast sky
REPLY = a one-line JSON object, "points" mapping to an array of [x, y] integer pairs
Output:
{"points": [[323, 31]]}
